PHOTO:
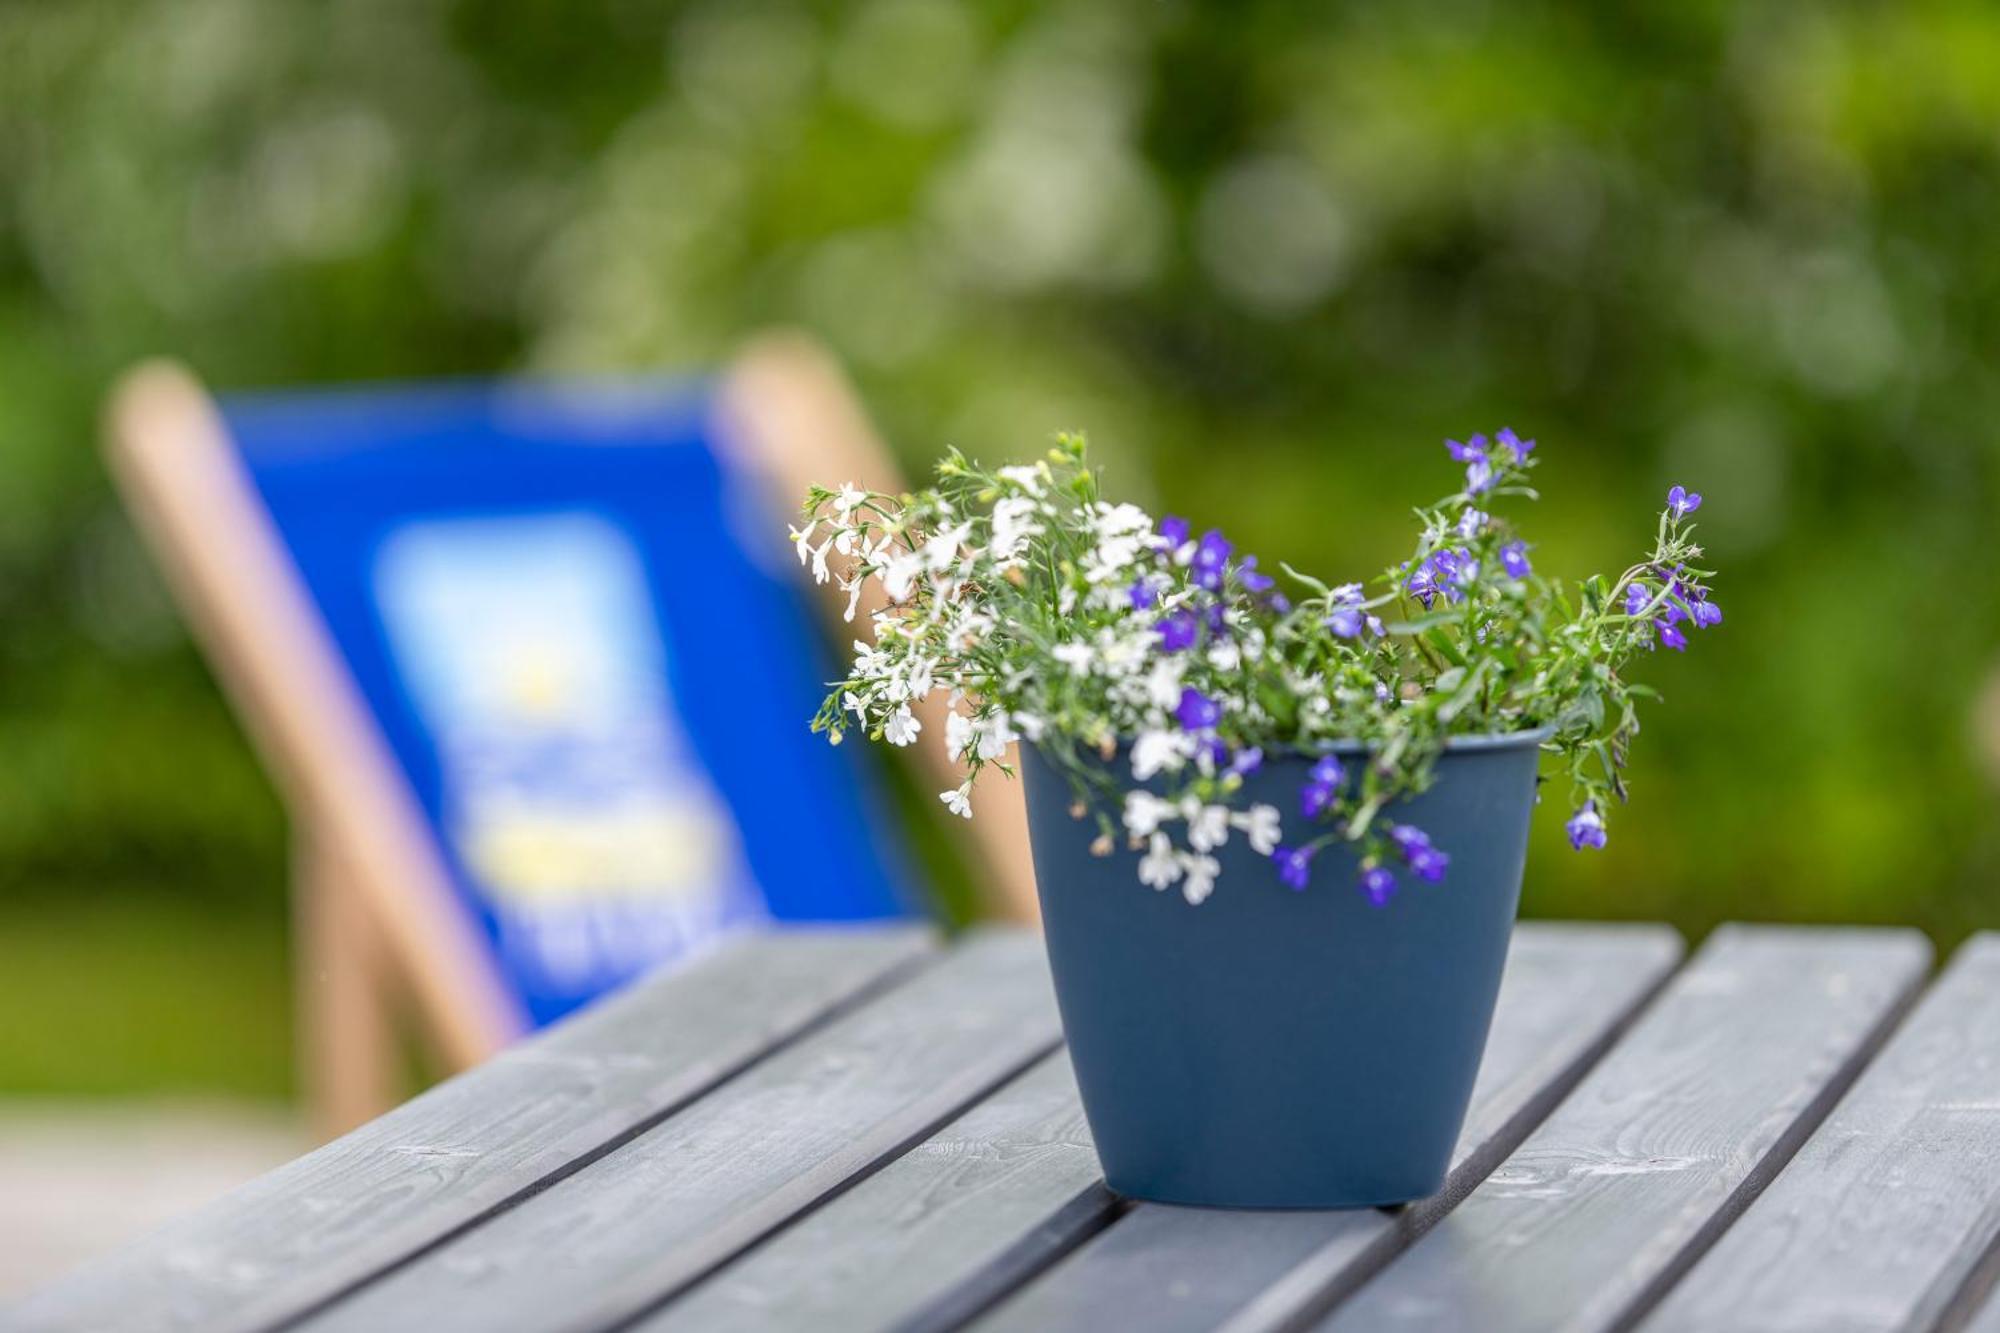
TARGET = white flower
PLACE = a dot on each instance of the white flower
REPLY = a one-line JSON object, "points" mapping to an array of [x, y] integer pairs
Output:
{"points": [[1121, 520], [1123, 655], [849, 499], [899, 575], [921, 671], [1163, 683], [1224, 655], [1201, 873], [1122, 533], [853, 599], [1154, 750], [855, 704], [800, 536], [902, 726], [1075, 656], [958, 800], [1208, 827], [820, 574], [996, 733], [1470, 523], [1159, 867], [957, 734], [1028, 477], [940, 553], [1260, 825], [1013, 525], [1143, 813], [1066, 600], [1029, 725]]}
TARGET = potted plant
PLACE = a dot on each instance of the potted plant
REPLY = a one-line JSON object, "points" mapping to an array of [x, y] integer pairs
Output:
{"points": [[1278, 830]]}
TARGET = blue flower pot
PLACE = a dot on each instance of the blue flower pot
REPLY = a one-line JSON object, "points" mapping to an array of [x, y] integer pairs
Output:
{"points": [[1273, 1048]]}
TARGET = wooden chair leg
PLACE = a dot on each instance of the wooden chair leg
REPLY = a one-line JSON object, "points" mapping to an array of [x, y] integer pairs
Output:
{"points": [[347, 1037]]}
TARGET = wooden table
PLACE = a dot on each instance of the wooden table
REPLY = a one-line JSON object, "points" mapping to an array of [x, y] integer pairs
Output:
{"points": [[1793, 1129]]}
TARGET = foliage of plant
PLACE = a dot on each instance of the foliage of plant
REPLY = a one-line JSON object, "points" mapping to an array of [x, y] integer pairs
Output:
{"points": [[1051, 615]]}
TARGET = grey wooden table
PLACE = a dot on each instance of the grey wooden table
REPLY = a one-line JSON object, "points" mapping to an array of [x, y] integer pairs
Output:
{"points": [[1793, 1129]]}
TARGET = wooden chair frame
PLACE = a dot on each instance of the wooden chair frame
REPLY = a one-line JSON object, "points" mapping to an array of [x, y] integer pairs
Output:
{"points": [[377, 919]]}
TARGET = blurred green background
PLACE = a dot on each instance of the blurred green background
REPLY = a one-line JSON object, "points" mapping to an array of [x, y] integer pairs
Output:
{"points": [[1267, 255]]}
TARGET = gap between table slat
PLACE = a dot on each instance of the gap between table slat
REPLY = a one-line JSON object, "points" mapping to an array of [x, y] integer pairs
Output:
{"points": [[1568, 990], [293, 1239], [611, 1241], [1892, 1206], [1662, 1145]]}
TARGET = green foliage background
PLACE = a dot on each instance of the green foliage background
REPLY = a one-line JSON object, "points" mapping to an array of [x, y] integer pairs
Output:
{"points": [[1266, 254]]}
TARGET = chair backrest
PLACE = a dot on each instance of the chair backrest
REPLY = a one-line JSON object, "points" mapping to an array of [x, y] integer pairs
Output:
{"points": [[576, 631], [552, 599]]}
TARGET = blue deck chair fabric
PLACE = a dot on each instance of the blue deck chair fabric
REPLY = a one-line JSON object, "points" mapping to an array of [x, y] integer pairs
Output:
{"points": [[559, 603]]}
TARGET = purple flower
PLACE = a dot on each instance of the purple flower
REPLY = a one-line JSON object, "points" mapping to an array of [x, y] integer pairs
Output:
{"points": [[1346, 622], [1428, 864], [1636, 597], [1322, 789], [1294, 865], [1247, 761], [1473, 449], [1442, 572], [1378, 884], [1672, 637], [1422, 585], [1197, 712], [1514, 444], [1174, 530], [1705, 613], [1681, 501], [1407, 836], [1211, 559], [1478, 476], [1514, 559], [1216, 618], [1315, 798], [1252, 581], [1585, 827], [1142, 593], [1179, 630], [1414, 845]]}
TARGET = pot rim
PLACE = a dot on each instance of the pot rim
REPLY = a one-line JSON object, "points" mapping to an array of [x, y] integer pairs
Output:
{"points": [[1474, 743]]}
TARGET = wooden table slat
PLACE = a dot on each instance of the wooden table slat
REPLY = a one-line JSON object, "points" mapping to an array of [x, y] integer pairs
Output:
{"points": [[1567, 992], [1663, 1144], [1893, 1202], [315, 1227], [1015, 1173], [610, 1241]]}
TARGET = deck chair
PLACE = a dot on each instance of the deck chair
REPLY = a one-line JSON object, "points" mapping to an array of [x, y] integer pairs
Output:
{"points": [[531, 664]]}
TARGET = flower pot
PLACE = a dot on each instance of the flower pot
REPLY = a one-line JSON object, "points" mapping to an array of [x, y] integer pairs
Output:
{"points": [[1273, 1048]]}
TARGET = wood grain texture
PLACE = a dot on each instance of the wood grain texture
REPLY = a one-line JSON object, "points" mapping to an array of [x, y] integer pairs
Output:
{"points": [[1893, 1203], [616, 1238], [1662, 1145], [912, 1232], [1566, 992], [314, 1228]]}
